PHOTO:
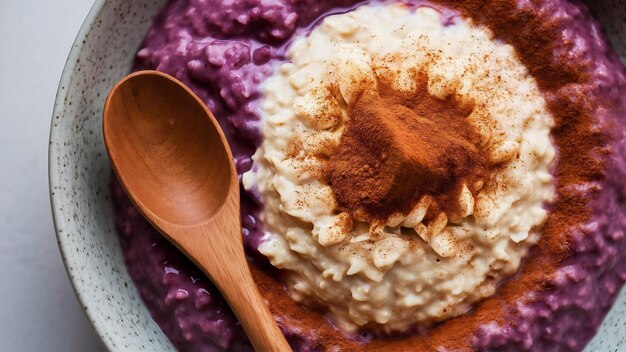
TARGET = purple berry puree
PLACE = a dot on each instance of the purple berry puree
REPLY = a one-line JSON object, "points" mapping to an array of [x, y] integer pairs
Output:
{"points": [[225, 49]]}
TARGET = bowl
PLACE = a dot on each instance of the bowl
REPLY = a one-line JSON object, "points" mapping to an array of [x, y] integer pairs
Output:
{"points": [[79, 175]]}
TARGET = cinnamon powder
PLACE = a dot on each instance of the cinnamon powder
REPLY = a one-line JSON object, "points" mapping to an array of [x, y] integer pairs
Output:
{"points": [[399, 146], [579, 144]]}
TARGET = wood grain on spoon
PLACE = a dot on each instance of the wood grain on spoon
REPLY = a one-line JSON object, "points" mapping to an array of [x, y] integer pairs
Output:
{"points": [[175, 164]]}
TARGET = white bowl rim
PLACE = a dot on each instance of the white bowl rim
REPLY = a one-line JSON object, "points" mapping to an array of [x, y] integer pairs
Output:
{"points": [[53, 180], [79, 290]]}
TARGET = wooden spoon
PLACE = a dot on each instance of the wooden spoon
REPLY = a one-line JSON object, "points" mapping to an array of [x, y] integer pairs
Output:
{"points": [[175, 164]]}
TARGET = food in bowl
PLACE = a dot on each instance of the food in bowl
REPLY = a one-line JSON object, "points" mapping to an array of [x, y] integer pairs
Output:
{"points": [[424, 175]]}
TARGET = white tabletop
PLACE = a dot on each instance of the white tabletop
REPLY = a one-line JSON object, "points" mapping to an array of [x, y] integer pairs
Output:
{"points": [[38, 310]]}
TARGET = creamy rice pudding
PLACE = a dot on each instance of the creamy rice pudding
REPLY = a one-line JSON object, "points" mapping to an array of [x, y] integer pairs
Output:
{"points": [[400, 268]]}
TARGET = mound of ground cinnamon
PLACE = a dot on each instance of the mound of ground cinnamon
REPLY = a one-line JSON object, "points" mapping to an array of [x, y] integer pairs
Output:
{"points": [[398, 147]]}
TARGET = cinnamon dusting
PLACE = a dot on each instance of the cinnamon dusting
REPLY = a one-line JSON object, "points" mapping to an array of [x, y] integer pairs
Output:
{"points": [[400, 146]]}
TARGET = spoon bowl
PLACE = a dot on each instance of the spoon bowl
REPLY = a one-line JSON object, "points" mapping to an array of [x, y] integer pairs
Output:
{"points": [[175, 164], [167, 153]]}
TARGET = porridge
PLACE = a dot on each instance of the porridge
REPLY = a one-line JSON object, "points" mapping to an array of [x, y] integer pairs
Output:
{"points": [[424, 175]]}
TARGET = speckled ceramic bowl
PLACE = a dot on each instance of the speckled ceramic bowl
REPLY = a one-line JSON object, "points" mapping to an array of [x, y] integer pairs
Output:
{"points": [[80, 175]]}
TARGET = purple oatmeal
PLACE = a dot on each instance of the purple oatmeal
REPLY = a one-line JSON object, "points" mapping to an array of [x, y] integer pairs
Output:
{"points": [[228, 51]]}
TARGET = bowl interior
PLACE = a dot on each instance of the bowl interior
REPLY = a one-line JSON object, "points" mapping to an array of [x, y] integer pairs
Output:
{"points": [[80, 175]]}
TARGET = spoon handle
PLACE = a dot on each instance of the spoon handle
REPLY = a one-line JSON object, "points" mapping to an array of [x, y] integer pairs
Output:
{"points": [[230, 272], [251, 310]]}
